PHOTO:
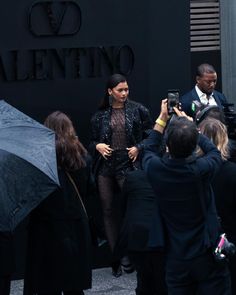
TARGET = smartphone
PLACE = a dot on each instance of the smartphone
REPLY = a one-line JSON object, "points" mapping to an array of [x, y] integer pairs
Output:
{"points": [[172, 100]]}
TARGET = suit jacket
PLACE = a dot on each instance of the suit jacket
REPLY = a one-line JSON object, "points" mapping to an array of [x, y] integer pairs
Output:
{"points": [[187, 99], [176, 184]]}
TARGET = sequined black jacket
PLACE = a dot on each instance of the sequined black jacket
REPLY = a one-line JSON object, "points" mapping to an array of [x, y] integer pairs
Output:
{"points": [[138, 124]]}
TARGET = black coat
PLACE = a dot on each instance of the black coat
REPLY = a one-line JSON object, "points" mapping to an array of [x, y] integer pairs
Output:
{"points": [[224, 186], [142, 226], [59, 254], [7, 254], [176, 184]]}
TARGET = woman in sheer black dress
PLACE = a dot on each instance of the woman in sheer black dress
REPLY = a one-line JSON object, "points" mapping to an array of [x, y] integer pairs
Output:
{"points": [[118, 130]]}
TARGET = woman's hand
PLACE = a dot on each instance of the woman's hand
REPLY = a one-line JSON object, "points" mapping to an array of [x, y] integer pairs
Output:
{"points": [[133, 153], [104, 150]]}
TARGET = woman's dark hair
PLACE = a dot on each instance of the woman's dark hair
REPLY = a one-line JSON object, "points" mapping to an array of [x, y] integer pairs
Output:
{"points": [[182, 137], [112, 82], [70, 151]]}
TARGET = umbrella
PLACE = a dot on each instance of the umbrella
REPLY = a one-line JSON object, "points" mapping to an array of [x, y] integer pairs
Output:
{"points": [[28, 169]]}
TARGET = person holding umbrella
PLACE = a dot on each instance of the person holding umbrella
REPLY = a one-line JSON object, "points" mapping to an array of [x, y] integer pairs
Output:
{"points": [[59, 250], [28, 174]]}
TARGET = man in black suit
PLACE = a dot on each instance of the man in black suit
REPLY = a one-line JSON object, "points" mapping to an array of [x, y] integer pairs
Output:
{"points": [[182, 186], [204, 90]]}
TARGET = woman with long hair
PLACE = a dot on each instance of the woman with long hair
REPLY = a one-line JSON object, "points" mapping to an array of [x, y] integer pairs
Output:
{"points": [[216, 130], [59, 250], [224, 185], [118, 129]]}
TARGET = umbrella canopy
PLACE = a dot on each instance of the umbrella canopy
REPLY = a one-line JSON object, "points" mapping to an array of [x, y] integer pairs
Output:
{"points": [[28, 169]]}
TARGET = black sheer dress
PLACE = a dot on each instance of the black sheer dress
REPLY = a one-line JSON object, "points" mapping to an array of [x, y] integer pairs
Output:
{"points": [[112, 174]]}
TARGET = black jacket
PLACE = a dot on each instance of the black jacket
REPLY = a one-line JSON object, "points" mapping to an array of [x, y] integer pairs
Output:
{"points": [[176, 184], [138, 124]]}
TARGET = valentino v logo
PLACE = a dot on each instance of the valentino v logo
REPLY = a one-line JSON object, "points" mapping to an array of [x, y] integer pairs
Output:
{"points": [[54, 18]]}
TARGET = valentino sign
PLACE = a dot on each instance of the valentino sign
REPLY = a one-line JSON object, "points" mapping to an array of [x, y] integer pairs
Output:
{"points": [[55, 20]]}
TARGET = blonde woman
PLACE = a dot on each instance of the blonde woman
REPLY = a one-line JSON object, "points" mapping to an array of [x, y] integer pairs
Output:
{"points": [[224, 185]]}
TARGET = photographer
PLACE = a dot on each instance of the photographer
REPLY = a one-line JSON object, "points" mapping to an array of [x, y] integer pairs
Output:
{"points": [[177, 179]]}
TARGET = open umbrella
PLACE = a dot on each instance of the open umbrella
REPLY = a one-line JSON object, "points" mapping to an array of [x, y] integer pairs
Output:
{"points": [[28, 169]]}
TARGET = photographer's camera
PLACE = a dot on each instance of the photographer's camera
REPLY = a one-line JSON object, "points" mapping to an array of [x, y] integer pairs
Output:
{"points": [[224, 249]]}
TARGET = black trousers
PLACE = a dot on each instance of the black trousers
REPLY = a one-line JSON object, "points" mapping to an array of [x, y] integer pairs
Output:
{"points": [[5, 285], [150, 267], [201, 276]]}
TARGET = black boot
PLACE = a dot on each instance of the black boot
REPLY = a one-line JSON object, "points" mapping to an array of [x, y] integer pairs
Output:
{"points": [[127, 266], [116, 269]]}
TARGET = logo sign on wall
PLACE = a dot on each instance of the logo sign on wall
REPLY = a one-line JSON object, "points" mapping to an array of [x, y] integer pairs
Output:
{"points": [[54, 18], [60, 19]]}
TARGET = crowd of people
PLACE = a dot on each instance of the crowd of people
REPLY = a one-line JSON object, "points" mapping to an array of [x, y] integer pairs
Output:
{"points": [[167, 195]]}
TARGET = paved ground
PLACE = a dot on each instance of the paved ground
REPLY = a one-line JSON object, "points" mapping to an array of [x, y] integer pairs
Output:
{"points": [[103, 284]]}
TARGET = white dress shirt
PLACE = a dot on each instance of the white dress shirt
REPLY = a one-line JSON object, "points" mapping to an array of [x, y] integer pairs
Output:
{"points": [[206, 100]]}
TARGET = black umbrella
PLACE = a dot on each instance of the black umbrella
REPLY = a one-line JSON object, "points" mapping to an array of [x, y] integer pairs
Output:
{"points": [[28, 169]]}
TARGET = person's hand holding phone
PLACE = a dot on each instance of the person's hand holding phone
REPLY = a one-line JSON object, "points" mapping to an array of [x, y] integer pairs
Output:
{"points": [[162, 118], [180, 113]]}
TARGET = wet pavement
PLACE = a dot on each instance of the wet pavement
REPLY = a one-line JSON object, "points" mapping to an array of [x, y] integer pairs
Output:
{"points": [[103, 283]]}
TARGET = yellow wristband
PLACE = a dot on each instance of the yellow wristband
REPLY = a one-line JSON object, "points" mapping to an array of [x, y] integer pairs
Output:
{"points": [[161, 122]]}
